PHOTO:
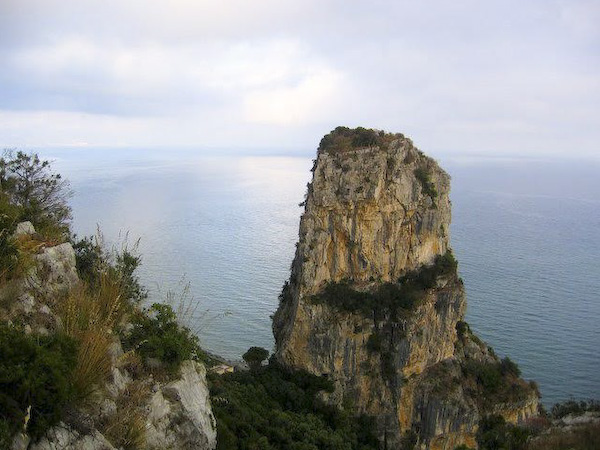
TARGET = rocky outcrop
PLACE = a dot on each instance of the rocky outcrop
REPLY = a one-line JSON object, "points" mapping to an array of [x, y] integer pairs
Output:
{"points": [[173, 414], [180, 415], [374, 299]]}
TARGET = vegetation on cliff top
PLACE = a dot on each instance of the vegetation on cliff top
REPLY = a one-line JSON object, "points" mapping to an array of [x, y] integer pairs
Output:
{"points": [[343, 139]]}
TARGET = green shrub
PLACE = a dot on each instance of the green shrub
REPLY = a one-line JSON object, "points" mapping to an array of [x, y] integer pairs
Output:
{"points": [[40, 193], [426, 184], [343, 138], [9, 252], [397, 299], [156, 334], [560, 410], [93, 260], [255, 356], [374, 343], [496, 382], [272, 408], [35, 372], [508, 367], [495, 434]]}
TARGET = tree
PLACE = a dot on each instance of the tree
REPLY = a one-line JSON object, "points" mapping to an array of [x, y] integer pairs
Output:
{"points": [[255, 356], [41, 194]]}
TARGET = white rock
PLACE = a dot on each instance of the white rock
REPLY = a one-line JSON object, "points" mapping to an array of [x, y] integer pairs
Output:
{"points": [[180, 415], [56, 270], [24, 228]]}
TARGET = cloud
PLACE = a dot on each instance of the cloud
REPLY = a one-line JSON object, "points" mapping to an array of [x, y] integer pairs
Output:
{"points": [[467, 75]]}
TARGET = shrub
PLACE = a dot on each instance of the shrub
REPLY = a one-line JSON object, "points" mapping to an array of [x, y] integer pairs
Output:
{"points": [[374, 343], [426, 184], [397, 299], [582, 437], [9, 251], [91, 315], [36, 373], [343, 138], [255, 356], [92, 260], [494, 383], [40, 193], [508, 367], [126, 427], [156, 334], [273, 408], [560, 410], [495, 434]]}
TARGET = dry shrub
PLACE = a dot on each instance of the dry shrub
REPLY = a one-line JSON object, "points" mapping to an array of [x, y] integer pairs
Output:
{"points": [[126, 428], [584, 437], [9, 293], [91, 318]]}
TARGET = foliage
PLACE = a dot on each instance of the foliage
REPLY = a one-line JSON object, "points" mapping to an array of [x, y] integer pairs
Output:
{"points": [[126, 427], [40, 193], [272, 408], [463, 447], [156, 334], [389, 298], [495, 434], [582, 437], [255, 356], [496, 382], [91, 315], [426, 184], [9, 252], [508, 367], [344, 138], [89, 257], [34, 372], [560, 410], [92, 259]]}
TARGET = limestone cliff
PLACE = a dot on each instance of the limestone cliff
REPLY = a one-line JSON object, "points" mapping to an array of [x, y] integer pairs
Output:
{"points": [[374, 299]]}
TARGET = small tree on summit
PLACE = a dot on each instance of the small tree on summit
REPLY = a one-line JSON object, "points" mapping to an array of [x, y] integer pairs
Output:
{"points": [[255, 356], [41, 195]]}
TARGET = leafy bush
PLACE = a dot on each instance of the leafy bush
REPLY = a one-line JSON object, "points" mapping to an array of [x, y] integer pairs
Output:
{"points": [[496, 382], [582, 437], [255, 356], [495, 434], [389, 298], [92, 260], [156, 334], [272, 408], [35, 372], [9, 252], [426, 184], [40, 193], [560, 410], [344, 138]]}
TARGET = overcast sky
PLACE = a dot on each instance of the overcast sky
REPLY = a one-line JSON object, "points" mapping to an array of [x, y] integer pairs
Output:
{"points": [[485, 77]]}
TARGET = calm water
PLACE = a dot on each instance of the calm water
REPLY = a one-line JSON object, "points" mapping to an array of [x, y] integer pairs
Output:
{"points": [[525, 234]]}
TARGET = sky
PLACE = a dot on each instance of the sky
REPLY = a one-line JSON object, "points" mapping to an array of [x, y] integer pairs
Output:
{"points": [[472, 77]]}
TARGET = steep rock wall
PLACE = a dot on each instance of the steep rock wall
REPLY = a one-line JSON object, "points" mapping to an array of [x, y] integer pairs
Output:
{"points": [[375, 215]]}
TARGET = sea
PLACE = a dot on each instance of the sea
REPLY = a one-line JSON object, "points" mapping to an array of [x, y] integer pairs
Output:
{"points": [[216, 231]]}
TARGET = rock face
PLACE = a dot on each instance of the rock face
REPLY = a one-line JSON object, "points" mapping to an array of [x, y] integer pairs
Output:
{"points": [[177, 415], [180, 415], [376, 221]]}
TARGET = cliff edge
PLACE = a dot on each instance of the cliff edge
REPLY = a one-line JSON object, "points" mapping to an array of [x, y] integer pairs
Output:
{"points": [[374, 301]]}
